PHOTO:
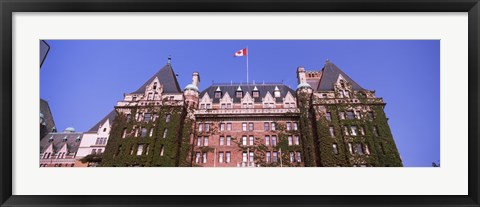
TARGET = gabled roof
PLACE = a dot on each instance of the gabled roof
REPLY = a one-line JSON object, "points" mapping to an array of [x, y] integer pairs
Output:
{"points": [[57, 139], [262, 89], [47, 114], [330, 73], [110, 117], [167, 78]]}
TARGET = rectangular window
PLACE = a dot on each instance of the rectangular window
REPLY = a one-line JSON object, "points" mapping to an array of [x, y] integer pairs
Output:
{"points": [[350, 148], [202, 106], [295, 125], [292, 157], [199, 141], [266, 126], [218, 94], [328, 116], [250, 126], [345, 129], [350, 115], [146, 150], [244, 140], [362, 130], [167, 119], [204, 156], [367, 151], [342, 115], [244, 126], [220, 157], [143, 132], [335, 149], [273, 126], [287, 105], [275, 156], [136, 132], [129, 117], [209, 106], [375, 131], [274, 141], [207, 127], [290, 140], [200, 127], [140, 149], [268, 157], [332, 131], [251, 157], [222, 126], [162, 149], [229, 105], [227, 157], [222, 141], [229, 126], [250, 140], [205, 141], [370, 116], [197, 157], [229, 140], [354, 130], [289, 126], [299, 157], [267, 140], [297, 140], [151, 132], [147, 117], [238, 94], [244, 157], [150, 96], [94, 151], [165, 132], [223, 106], [358, 149], [255, 94]]}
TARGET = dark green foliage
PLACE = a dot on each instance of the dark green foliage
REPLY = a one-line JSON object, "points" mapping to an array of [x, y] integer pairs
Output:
{"points": [[121, 152]]}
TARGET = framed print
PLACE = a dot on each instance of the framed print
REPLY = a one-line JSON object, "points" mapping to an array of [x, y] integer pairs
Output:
{"points": [[260, 103]]}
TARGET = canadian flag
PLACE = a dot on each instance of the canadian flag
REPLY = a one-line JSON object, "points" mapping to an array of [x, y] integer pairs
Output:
{"points": [[242, 52]]}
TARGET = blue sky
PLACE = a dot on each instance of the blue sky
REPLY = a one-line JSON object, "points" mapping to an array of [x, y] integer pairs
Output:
{"points": [[83, 79]]}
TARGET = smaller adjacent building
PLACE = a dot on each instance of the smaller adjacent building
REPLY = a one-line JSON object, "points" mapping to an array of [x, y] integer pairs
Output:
{"points": [[59, 149], [94, 141]]}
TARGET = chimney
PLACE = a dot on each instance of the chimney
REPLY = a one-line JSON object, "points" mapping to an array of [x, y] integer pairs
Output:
{"points": [[196, 79], [301, 75]]}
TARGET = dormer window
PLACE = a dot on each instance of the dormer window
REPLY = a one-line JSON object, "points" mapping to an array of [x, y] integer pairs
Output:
{"points": [[239, 94], [218, 94], [154, 85], [255, 94], [277, 94]]}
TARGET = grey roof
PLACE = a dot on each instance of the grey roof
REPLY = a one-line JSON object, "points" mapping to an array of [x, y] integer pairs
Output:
{"points": [[110, 117], [58, 141], [262, 89], [167, 78], [330, 73], [44, 48], [47, 114]]}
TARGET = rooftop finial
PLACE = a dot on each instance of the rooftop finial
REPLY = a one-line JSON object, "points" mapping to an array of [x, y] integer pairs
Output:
{"points": [[169, 59], [327, 60]]}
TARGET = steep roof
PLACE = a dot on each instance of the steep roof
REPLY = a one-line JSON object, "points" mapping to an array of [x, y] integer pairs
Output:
{"points": [[330, 73], [262, 89], [110, 117], [47, 114], [167, 78], [73, 141]]}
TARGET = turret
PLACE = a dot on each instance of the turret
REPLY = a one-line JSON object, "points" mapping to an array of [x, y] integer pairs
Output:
{"points": [[191, 91]]}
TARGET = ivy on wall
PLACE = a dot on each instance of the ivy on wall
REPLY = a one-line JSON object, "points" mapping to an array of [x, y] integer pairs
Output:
{"points": [[157, 150]]}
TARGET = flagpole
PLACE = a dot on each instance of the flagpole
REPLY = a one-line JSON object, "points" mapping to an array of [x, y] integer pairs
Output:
{"points": [[247, 63]]}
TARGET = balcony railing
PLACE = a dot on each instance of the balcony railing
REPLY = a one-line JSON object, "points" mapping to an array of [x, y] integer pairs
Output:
{"points": [[245, 111]]}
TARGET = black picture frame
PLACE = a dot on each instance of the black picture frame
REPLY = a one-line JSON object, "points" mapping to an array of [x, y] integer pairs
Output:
{"points": [[7, 7]]}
